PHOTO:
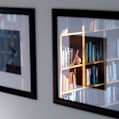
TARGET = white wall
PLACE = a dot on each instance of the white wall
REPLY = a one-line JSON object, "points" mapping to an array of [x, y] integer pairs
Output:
{"points": [[16, 107]]}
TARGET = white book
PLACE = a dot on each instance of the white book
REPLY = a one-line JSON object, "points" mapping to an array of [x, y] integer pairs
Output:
{"points": [[108, 95], [113, 23], [88, 76], [110, 73], [63, 64], [114, 71], [67, 56], [118, 47], [66, 84], [107, 73], [81, 96], [74, 81], [114, 93], [71, 56], [63, 83], [93, 53], [96, 24]]}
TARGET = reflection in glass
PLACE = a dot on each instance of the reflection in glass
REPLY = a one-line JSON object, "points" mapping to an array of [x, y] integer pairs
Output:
{"points": [[89, 61]]}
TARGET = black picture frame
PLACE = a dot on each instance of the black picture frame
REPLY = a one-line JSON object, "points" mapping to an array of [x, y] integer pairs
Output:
{"points": [[85, 60], [18, 52]]}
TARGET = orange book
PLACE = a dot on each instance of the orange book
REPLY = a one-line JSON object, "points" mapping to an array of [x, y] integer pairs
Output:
{"points": [[71, 81], [75, 57], [63, 82]]}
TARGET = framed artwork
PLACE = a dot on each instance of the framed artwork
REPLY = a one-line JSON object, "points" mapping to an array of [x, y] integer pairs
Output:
{"points": [[17, 51], [86, 60]]}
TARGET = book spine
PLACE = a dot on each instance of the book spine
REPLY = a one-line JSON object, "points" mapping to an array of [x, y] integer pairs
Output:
{"points": [[96, 24], [93, 52], [117, 70], [114, 70], [79, 96], [90, 52], [71, 56], [71, 81], [63, 82], [108, 95], [107, 73], [88, 76], [74, 81], [118, 47], [63, 56], [86, 52], [114, 94], [93, 75], [110, 73], [101, 51], [96, 75]]}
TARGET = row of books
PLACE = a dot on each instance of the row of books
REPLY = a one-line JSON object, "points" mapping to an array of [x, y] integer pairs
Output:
{"points": [[70, 57], [112, 71], [94, 52], [68, 81], [112, 48], [91, 75], [112, 94], [67, 55], [111, 23], [94, 97], [79, 96], [93, 24]]}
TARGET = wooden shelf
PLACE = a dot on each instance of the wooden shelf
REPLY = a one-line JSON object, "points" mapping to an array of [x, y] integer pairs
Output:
{"points": [[113, 59], [70, 34], [112, 82], [71, 67], [95, 62], [73, 90], [96, 85], [94, 31], [77, 40]]}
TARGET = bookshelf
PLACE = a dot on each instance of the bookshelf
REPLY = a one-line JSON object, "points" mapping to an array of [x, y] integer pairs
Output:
{"points": [[96, 65]]}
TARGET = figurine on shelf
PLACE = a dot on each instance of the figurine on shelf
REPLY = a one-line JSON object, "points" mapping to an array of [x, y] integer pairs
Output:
{"points": [[78, 60]]}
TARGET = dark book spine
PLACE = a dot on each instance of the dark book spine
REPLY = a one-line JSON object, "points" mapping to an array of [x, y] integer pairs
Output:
{"points": [[93, 75], [90, 52]]}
